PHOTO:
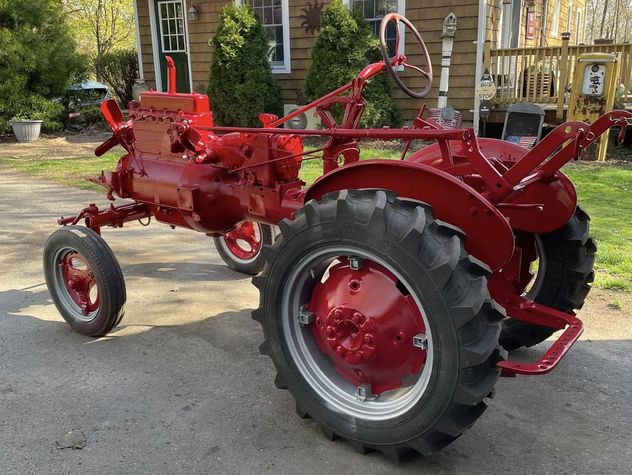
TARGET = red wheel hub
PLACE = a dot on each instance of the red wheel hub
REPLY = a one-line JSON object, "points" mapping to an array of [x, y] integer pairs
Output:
{"points": [[79, 281], [365, 322], [245, 240], [350, 334]]}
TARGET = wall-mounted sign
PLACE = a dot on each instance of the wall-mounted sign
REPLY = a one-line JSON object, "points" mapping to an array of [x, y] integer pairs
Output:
{"points": [[486, 87], [594, 76], [530, 25]]}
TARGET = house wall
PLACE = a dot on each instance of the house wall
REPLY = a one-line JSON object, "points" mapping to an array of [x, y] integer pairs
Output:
{"points": [[544, 22], [426, 15]]}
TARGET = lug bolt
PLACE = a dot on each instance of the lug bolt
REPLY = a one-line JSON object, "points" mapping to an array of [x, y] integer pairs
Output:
{"points": [[358, 318], [368, 338], [359, 373], [337, 314], [330, 332]]}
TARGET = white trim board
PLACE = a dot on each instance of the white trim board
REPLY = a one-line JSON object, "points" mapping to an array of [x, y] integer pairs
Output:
{"points": [[139, 53]]}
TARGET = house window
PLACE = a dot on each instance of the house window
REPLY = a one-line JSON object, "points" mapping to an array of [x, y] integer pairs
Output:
{"points": [[555, 20], [374, 11], [274, 14], [171, 19]]}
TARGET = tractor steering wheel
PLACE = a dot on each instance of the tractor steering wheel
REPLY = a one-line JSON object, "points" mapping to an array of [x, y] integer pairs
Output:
{"points": [[400, 59]]}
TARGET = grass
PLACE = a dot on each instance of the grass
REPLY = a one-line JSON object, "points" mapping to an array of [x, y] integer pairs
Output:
{"points": [[65, 171], [616, 304], [604, 190], [605, 193]]}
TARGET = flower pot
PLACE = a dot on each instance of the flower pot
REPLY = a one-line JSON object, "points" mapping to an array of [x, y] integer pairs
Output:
{"points": [[27, 130]]}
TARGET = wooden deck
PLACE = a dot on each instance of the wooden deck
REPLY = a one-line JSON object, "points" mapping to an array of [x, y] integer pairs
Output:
{"points": [[543, 75]]}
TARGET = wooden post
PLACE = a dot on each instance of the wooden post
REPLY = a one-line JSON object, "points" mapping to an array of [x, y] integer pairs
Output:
{"points": [[487, 56], [564, 67]]}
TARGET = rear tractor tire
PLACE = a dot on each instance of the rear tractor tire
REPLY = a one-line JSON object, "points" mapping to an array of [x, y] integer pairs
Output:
{"points": [[379, 323], [240, 249], [85, 280], [564, 278]]}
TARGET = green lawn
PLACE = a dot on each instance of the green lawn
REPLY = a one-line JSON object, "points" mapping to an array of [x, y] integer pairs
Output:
{"points": [[67, 171], [605, 192]]}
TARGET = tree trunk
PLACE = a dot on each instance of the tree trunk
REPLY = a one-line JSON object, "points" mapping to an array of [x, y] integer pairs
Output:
{"points": [[603, 18]]}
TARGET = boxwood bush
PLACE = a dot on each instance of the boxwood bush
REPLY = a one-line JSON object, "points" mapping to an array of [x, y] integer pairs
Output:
{"points": [[344, 46], [241, 84]]}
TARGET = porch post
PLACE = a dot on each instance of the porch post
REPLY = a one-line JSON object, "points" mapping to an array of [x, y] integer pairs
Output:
{"points": [[561, 88], [480, 44]]}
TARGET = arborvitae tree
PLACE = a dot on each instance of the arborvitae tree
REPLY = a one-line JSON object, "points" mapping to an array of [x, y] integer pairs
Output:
{"points": [[39, 61], [241, 85], [344, 46]]}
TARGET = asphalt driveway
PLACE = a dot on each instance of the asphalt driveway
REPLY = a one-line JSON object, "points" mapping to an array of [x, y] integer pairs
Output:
{"points": [[179, 387]]}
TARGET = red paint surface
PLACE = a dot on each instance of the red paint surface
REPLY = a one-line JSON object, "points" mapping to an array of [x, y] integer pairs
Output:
{"points": [[365, 324]]}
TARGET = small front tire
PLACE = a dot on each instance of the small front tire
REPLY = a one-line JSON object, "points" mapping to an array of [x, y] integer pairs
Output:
{"points": [[85, 280]]}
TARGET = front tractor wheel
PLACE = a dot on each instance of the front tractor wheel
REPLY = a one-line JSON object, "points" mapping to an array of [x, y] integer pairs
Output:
{"points": [[241, 248], [379, 323], [84, 280]]}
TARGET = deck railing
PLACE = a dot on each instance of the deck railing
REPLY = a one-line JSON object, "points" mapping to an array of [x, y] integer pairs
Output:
{"points": [[543, 75]]}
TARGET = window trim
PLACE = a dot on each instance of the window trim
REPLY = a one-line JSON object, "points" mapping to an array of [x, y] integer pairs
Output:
{"points": [[401, 9], [286, 67], [164, 34]]}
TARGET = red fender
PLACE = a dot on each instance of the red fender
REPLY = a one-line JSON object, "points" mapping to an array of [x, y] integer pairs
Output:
{"points": [[540, 207], [489, 236], [492, 148]]}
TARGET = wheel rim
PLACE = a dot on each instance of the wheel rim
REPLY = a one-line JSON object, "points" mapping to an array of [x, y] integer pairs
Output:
{"points": [[75, 284], [329, 304], [244, 242]]}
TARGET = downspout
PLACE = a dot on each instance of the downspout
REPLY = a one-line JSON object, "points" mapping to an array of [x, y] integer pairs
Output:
{"points": [[141, 72], [480, 43]]}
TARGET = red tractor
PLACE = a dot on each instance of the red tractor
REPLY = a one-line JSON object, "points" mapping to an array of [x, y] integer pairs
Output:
{"points": [[394, 288]]}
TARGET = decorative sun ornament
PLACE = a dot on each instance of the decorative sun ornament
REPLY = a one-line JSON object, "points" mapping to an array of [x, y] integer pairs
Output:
{"points": [[311, 16]]}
